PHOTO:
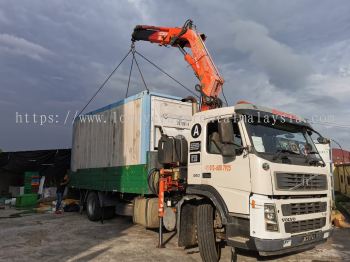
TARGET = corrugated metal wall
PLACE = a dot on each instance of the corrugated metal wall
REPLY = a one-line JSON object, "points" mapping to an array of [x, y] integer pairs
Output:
{"points": [[108, 138]]}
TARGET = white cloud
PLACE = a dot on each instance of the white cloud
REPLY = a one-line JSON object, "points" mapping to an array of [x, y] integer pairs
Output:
{"points": [[285, 69], [334, 86], [20, 46]]}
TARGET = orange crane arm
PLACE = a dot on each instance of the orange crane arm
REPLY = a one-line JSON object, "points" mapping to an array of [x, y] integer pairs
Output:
{"points": [[202, 64]]}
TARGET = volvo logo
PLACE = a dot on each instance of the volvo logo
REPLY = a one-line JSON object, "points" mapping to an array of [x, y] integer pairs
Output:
{"points": [[305, 182], [289, 219]]}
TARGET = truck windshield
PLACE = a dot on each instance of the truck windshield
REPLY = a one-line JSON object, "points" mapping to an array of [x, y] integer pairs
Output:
{"points": [[279, 140]]}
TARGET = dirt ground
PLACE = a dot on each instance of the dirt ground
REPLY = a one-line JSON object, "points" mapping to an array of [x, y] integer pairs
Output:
{"points": [[72, 237]]}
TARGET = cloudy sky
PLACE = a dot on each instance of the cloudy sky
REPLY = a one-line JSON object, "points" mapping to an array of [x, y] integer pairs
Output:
{"points": [[292, 55]]}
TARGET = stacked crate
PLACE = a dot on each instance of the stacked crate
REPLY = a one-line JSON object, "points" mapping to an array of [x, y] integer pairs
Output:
{"points": [[31, 182], [31, 186]]}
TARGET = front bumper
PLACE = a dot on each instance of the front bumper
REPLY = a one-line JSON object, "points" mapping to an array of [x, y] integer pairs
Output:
{"points": [[267, 247]]}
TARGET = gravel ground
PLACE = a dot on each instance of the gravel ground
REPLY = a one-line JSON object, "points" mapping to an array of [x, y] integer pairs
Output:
{"points": [[72, 237]]}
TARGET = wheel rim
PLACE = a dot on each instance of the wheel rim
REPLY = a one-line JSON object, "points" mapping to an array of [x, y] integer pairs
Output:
{"points": [[91, 207]]}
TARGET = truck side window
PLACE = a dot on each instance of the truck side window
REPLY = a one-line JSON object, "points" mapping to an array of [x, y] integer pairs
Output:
{"points": [[212, 131]]}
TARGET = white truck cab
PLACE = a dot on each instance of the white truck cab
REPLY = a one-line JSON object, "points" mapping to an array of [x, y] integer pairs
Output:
{"points": [[272, 192]]}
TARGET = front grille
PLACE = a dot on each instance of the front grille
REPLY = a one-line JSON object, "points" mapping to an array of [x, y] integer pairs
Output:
{"points": [[301, 182], [304, 225], [303, 208]]}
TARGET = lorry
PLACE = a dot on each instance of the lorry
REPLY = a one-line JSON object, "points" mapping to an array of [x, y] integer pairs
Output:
{"points": [[245, 176]]}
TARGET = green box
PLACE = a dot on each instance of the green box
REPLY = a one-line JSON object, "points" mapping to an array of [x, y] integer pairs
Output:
{"points": [[26, 200], [28, 178]]}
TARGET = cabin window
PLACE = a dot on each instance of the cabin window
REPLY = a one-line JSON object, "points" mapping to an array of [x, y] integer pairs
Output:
{"points": [[212, 132]]}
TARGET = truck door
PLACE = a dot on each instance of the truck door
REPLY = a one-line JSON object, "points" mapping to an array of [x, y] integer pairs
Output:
{"points": [[230, 176]]}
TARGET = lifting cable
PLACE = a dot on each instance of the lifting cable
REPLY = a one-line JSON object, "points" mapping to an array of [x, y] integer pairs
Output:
{"points": [[104, 83], [131, 66], [133, 59], [223, 94], [138, 67], [171, 77], [133, 52]]}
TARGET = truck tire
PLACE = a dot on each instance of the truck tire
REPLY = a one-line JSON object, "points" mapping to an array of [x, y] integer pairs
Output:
{"points": [[93, 208], [208, 248]]}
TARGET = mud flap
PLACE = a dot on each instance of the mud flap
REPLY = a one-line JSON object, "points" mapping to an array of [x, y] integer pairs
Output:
{"points": [[187, 229]]}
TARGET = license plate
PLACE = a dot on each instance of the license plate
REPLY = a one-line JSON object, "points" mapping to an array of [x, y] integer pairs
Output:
{"points": [[309, 237]]}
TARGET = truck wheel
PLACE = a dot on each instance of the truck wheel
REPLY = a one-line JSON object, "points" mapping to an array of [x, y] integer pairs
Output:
{"points": [[208, 248], [93, 208]]}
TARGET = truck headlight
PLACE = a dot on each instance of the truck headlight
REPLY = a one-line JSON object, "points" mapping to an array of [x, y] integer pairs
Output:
{"points": [[270, 217]]}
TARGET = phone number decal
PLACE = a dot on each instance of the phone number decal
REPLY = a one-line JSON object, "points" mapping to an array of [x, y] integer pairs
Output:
{"points": [[218, 167]]}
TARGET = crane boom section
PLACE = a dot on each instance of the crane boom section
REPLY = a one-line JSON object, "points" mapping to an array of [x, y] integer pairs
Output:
{"points": [[199, 59]]}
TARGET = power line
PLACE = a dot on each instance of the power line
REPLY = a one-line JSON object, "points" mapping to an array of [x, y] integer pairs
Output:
{"points": [[333, 123], [330, 124]]}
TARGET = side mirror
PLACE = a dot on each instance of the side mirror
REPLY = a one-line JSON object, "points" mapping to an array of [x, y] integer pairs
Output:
{"points": [[323, 140], [308, 147], [228, 150], [226, 135], [226, 131]]}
